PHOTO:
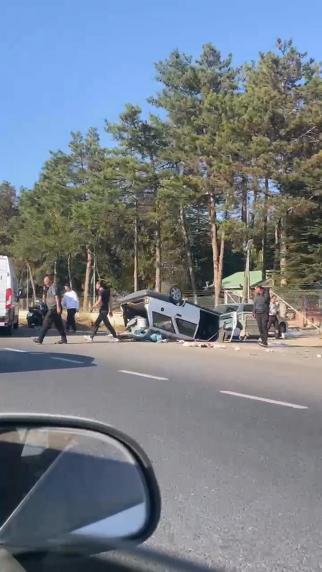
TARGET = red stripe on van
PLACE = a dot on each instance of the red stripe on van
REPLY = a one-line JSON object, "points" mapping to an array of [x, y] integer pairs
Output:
{"points": [[8, 298]]}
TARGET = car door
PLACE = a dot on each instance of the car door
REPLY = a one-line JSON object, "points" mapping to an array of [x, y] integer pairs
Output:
{"points": [[247, 320], [228, 319], [171, 320], [187, 319], [228, 322]]}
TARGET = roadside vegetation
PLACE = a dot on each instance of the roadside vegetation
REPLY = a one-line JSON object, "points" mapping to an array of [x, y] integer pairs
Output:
{"points": [[228, 154]]}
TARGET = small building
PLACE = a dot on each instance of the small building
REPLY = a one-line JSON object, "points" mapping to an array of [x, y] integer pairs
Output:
{"points": [[233, 285]]}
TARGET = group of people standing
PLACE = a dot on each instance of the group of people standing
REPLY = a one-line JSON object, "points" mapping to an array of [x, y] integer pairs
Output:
{"points": [[56, 303], [266, 313]]}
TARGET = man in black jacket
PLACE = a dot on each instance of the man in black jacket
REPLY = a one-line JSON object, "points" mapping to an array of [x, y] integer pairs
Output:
{"points": [[261, 312], [104, 304]]}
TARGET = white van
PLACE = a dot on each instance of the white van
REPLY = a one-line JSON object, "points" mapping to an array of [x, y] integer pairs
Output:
{"points": [[9, 311]]}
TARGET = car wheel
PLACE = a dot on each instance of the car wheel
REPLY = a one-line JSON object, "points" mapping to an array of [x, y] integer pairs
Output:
{"points": [[175, 294]]}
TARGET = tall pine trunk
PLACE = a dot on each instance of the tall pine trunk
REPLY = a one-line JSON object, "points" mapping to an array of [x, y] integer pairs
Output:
{"points": [[217, 251], [158, 278], [89, 261], [69, 270], [283, 251], [220, 268], [254, 208], [158, 244], [94, 279], [276, 246], [31, 282], [244, 201], [136, 251], [187, 246], [264, 236]]}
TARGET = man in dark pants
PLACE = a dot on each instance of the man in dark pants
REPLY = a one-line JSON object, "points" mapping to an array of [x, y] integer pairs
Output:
{"points": [[261, 310], [52, 299], [105, 310]]}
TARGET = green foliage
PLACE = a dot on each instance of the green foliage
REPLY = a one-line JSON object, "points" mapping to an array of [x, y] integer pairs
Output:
{"points": [[234, 155], [8, 210]]}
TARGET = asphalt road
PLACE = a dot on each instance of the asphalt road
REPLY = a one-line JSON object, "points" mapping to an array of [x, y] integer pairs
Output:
{"points": [[240, 477]]}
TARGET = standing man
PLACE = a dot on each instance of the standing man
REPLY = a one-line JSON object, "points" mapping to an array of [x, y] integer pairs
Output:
{"points": [[52, 299], [272, 318], [70, 302], [104, 304], [261, 310]]}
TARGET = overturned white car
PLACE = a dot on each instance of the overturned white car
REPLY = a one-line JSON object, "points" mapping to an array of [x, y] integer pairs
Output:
{"points": [[171, 316]]}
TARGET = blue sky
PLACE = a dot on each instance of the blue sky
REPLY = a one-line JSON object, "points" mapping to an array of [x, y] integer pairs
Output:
{"points": [[69, 64]]}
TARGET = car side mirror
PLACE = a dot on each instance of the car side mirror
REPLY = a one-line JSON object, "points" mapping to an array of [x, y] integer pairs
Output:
{"points": [[73, 485]]}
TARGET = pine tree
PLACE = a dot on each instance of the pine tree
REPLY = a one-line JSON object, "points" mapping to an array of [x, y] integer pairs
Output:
{"points": [[144, 140], [8, 210]]}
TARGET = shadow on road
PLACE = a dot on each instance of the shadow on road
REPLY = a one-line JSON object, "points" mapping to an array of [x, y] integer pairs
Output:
{"points": [[53, 336], [136, 561], [13, 362], [25, 332]]}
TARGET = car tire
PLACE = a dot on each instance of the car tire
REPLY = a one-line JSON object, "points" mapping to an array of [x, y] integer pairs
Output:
{"points": [[175, 295]]}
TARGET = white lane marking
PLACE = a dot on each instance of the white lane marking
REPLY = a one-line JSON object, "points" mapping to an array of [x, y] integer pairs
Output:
{"points": [[66, 359], [264, 399], [143, 375], [15, 350]]}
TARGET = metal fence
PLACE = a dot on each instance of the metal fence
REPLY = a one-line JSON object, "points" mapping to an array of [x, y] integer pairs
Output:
{"points": [[301, 307]]}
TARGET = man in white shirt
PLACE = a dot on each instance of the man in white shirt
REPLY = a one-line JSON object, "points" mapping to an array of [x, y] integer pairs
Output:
{"points": [[70, 302], [272, 318]]}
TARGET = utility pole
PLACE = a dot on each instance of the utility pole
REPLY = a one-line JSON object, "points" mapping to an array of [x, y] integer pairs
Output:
{"points": [[246, 288]]}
